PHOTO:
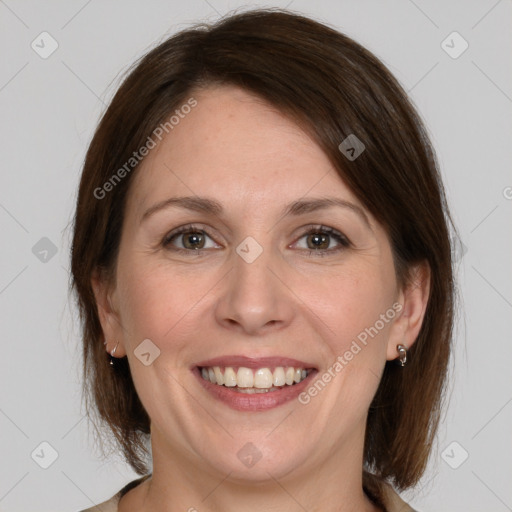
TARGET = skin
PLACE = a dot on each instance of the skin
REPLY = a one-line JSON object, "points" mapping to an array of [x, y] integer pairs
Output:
{"points": [[238, 150]]}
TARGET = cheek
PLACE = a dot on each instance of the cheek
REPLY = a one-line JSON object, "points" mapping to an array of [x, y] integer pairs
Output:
{"points": [[160, 304], [351, 304], [356, 315]]}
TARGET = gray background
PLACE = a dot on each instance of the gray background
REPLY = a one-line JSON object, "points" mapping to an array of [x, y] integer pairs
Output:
{"points": [[49, 110]]}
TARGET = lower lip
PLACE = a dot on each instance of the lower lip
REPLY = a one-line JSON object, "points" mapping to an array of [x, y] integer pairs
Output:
{"points": [[255, 401]]}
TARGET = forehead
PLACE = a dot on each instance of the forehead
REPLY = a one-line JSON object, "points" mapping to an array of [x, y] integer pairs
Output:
{"points": [[236, 147]]}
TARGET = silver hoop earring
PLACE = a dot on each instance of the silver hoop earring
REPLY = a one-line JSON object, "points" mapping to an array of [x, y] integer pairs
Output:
{"points": [[112, 355], [402, 354]]}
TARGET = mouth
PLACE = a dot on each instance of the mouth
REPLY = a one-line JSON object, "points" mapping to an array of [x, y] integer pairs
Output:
{"points": [[247, 380], [254, 384]]}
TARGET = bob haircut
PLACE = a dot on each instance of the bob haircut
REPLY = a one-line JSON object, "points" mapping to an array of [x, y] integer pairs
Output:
{"points": [[331, 87]]}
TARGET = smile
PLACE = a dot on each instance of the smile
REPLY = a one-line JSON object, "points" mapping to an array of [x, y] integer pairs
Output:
{"points": [[248, 380], [253, 384]]}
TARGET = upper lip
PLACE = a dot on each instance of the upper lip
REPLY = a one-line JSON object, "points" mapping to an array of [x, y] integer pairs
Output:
{"points": [[254, 362]]}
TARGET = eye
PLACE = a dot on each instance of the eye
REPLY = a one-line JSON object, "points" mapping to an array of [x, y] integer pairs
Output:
{"points": [[192, 238], [319, 241]]}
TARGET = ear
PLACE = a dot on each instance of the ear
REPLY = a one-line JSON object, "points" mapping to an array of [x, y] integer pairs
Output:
{"points": [[413, 299], [107, 313]]}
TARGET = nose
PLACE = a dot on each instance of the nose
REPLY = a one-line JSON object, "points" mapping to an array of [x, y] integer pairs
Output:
{"points": [[255, 298]]}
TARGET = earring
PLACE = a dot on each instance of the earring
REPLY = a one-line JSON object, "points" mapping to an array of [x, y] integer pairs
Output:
{"points": [[112, 355], [402, 354]]}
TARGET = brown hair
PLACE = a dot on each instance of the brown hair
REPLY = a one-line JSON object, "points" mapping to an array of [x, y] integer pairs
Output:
{"points": [[332, 87]]}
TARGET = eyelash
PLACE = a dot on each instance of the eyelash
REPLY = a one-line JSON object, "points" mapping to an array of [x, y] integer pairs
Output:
{"points": [[319, 229]]}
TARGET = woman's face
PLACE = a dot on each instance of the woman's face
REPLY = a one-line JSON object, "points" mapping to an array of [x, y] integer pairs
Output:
{"points": [[273, 287]]}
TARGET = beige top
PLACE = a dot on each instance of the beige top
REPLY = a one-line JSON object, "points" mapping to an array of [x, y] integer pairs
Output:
{"points": [[392, 501]]}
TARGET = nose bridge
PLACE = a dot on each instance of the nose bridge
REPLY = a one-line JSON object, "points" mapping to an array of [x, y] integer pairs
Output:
{"points": [[252, 262], [254, 296]]}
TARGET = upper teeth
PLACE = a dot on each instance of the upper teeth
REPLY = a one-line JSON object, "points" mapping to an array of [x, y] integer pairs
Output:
{"points": [[261, 378]]}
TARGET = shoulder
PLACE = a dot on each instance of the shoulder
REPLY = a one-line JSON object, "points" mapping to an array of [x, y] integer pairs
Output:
{"points": [[111, 505], [107, 506], [392, 501]]}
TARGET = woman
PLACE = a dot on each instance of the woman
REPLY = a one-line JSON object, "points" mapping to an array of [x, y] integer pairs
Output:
{"points": [[262, 262]]}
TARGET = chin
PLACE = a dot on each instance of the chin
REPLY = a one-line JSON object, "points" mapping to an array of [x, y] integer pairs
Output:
{"points": [[258, 462]]}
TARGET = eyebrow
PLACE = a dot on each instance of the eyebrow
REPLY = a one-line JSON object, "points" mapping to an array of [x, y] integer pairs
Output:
{"points": [[296, 208]]}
